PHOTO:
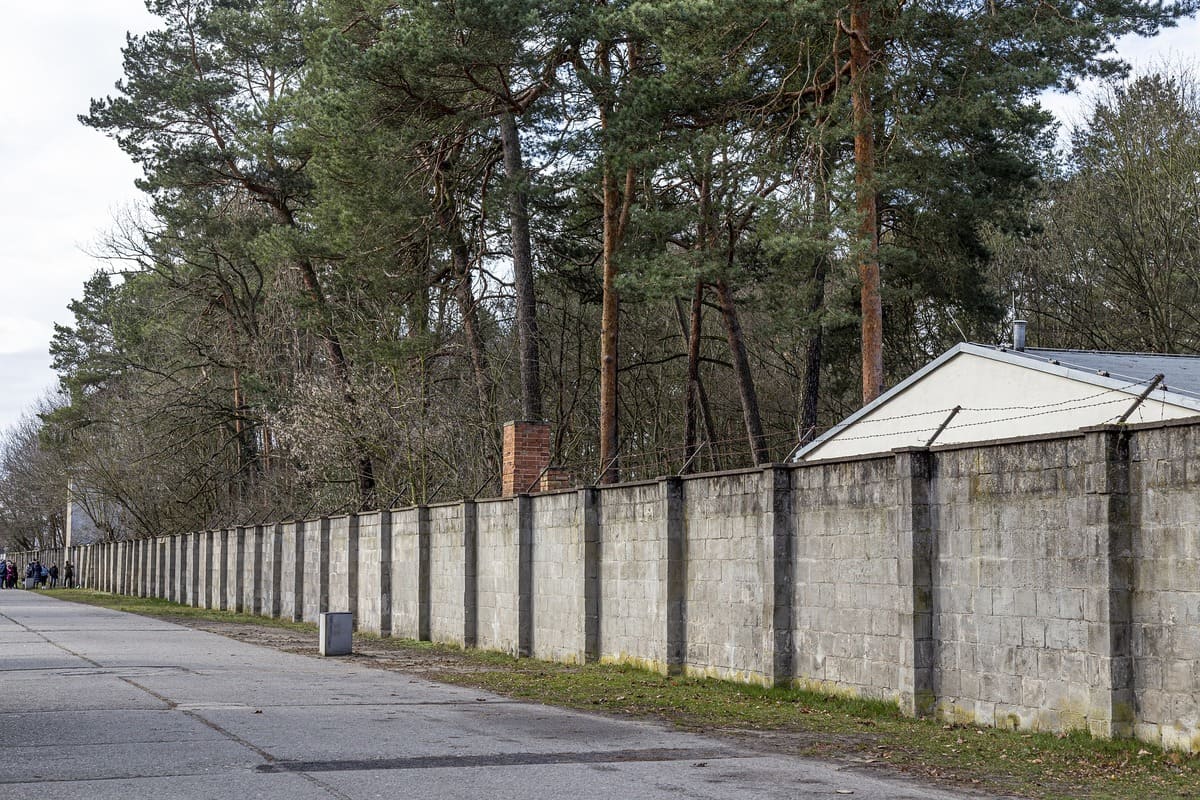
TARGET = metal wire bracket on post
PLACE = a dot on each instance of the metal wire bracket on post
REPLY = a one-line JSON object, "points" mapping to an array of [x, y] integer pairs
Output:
{"points": [[805, 439], [531, 486], [953, 413], [1141, 397], [611, 461], [692, 458]]}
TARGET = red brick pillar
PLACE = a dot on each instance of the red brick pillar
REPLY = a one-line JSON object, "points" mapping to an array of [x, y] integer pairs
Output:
{"points": [[526, 455]]}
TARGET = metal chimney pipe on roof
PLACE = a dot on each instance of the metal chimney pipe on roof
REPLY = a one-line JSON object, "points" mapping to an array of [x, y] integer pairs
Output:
{"points": [[1019, 335]]}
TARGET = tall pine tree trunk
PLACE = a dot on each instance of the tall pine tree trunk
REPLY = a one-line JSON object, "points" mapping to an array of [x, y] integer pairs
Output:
{"points": [[695, 329], [689, 334], [522, 255], [813, 349], [864, 184], [610, 324], [450, 222], [616, 208], [741, 371], [468, 306]]}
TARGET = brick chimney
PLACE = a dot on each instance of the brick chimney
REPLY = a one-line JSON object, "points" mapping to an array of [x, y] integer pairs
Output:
{"points": [[526, 456]]}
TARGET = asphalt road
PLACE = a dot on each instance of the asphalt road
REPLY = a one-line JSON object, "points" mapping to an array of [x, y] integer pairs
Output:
{"points": [[98, 704]]}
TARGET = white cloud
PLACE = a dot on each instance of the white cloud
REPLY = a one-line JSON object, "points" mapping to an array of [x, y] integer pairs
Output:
{"points": [[20, 335], [62, 181], [1173, 46]]}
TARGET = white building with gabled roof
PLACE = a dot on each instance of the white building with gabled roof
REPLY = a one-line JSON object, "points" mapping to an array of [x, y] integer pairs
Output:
{"points": [[974, 393]]}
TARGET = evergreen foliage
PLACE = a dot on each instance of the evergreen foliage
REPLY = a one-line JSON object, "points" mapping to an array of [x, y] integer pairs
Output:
{"points": [[375, 230]]}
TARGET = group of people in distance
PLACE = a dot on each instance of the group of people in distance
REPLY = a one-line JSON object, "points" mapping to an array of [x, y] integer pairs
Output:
{"points": [[37, 575]]}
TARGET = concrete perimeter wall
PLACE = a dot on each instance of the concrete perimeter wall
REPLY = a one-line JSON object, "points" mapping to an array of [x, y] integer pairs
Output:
{"points": [[1050, 583]]}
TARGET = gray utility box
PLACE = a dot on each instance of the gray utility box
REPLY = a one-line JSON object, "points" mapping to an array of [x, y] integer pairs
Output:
{"points": [[336, 628]]}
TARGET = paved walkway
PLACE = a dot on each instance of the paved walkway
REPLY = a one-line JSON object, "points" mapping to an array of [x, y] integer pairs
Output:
{"points": [[98, 704]]}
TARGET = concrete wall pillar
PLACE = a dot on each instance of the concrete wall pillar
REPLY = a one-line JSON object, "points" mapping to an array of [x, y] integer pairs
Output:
{"points": [[778, 558], [352, 568], [275, 570], [121, 568], [236, 556], [256, 548], [221, 567], [162, 545], [145, 567], [195, 569], [424, 588], [136, 588], [589, 513], [127, 568], [673, 590], [470, 521], [208, 569], [524, 509], [1111, 711], [175, 570], [149, 562], [323, 562], [384, 589], [298, 583], [916, 542], [153, 546]]}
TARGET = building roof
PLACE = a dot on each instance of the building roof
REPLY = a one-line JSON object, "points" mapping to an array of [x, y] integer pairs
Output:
{"points": [[1182, 373], [1127, 373]]}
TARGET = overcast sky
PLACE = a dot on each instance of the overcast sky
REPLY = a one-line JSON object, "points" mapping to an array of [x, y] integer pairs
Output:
{"points": [[63, 183]]}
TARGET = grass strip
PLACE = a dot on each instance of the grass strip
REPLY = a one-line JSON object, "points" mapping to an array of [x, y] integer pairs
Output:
{"points": [[871, 733], [173, 612]]}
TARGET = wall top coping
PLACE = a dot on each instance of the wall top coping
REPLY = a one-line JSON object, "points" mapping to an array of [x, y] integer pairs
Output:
{"points": [[824, 462], [630, 484], [448, 503], [492, 500], [567, 490], [1107, 427], [1182, 422], [1034, 438], [730, 473]]}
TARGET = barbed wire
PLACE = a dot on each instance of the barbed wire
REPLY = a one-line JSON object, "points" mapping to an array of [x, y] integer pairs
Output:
{"points": [[1057, 408], [986, 409]]}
